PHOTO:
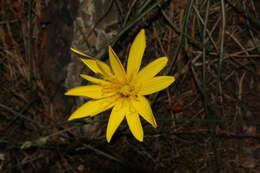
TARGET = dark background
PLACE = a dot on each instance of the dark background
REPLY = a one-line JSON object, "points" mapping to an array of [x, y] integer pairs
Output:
{"points": [[208, 120]]}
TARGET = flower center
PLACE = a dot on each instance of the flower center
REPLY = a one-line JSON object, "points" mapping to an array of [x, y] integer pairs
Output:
{"points": [[126, 90]]}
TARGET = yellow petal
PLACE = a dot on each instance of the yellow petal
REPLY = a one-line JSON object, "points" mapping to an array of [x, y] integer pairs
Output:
{"points": [[135, 125], [92, 65], [94, 80], [91, 91], [98, 67], [105, 70], [80, 53], [136, 53], [156, 84], [93, 107], [142, 106], [116, 65], [116, 117], [153, 68]]}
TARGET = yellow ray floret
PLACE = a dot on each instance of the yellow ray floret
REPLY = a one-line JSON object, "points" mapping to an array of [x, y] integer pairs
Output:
{"points": [[120, 89]]}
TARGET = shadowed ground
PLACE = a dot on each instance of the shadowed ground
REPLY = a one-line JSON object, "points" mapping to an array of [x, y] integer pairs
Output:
{"points": [[208, 120]]}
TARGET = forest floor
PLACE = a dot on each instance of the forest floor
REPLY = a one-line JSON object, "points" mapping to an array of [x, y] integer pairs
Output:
{"points": [[208, 120]]}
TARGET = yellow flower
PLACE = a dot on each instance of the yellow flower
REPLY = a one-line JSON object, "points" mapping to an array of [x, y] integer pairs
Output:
{"points": [[121, 90]]}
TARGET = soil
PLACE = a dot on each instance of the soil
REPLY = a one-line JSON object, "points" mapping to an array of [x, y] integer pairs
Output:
{"points": [[208, 120]]}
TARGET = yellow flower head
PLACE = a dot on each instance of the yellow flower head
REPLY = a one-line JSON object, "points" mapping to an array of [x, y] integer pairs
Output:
{"points": [[121, 90]]}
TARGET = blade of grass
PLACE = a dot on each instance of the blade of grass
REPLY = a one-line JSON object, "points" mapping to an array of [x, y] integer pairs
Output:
{"points": [[183, 31], [146, 3], [241, 9], [217, 121], [102, 153], [21, 115], [178, 31], [221, 51], [29, 41], [129, 12], [209, 34], [102, 51], [204, 58]]}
